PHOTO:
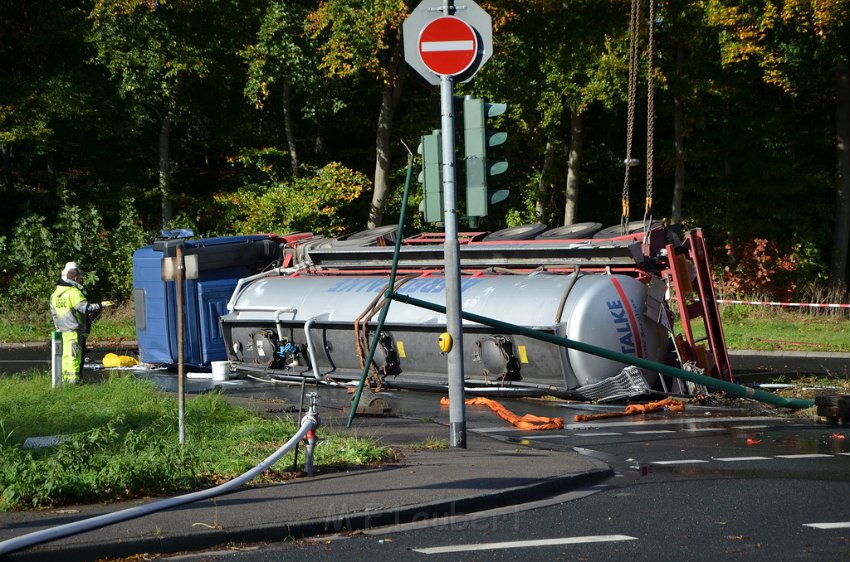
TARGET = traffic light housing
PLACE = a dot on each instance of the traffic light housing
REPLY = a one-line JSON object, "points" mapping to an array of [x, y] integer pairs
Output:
{"points": [[476, 140], [431, 176]]}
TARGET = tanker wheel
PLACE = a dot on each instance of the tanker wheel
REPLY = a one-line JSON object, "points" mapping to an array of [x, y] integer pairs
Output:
{"points": [[830, 399], [830, 413], [367, 237], [572, 231], [374, 232], [522, 232], [618, 230], [844, 410], [830, 407]]}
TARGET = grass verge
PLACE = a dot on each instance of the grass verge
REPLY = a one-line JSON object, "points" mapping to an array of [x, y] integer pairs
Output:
{"points": [[20, 325], [122, 443], [776, 329], [785, 330]]}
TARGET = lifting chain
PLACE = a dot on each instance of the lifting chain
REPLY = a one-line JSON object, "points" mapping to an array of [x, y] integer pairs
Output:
{"points": [[634, 42], [650, 117], [630, 117]]}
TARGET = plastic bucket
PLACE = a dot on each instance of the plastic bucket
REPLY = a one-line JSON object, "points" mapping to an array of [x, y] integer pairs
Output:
{"points": [[220, 370]]}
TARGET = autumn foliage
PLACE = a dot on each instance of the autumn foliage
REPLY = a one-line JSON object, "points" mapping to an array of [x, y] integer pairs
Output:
{"points": [[761, 269]]}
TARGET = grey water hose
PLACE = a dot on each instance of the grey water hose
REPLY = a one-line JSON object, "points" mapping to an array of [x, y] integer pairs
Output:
{"points": [[308, 423]]}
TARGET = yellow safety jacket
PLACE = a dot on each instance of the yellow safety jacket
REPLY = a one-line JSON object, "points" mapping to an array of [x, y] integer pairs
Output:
{"points": [[70, 309]]}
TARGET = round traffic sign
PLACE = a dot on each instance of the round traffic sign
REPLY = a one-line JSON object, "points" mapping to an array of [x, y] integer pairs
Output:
{"points": [[448, 45]]}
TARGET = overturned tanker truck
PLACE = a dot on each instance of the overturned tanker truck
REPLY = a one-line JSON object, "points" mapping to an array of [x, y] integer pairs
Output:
{"points": [[314, 314]]}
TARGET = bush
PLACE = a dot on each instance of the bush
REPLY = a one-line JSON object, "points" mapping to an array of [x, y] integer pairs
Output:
{"points": [[32, 259], [762, 269], [329, 202]]}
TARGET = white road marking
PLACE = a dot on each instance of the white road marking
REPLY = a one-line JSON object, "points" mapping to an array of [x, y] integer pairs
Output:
{"points": [[434, 46], [503, 429], [808, 456], [523, 544], [736, 459], [698, 429], [682, 461], [840, 525], [463, 521], [645, 423], [651, 432], [596, 434]]}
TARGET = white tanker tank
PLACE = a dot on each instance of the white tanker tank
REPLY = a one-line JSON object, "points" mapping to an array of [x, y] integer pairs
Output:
{"points": [[315, 325]]}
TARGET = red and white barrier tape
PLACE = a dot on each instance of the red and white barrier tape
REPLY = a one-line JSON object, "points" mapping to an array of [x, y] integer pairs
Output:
{"points": [[798, 304]]}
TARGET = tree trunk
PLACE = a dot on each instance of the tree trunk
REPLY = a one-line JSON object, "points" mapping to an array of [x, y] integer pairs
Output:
{"points": [[321, 133], [6, 162], [165, 167], [289, 128], [678, 140], [382, 162], [841, 230], [8, 185], [574, 166], [540, 206], [389, 101]]}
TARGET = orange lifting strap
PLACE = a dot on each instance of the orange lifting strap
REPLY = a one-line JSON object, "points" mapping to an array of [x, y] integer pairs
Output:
{"points": [[528, 421], [668, 405]]}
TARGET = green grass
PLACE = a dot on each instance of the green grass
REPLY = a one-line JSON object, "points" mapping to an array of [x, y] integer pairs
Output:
{"points": [[774, 329], [123, 443], [430, 443], [19, 325]]}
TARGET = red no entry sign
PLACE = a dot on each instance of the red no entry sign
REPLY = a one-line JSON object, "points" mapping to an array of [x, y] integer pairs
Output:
{"points": [[448, 45]]}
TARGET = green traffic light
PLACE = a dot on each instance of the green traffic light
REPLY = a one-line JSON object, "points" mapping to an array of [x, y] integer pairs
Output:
{"points": [[431, 176], [476, 140]]}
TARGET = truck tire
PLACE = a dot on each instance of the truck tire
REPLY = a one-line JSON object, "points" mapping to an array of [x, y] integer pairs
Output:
{"points": [[522, 232], [572, 231], [617, 229]]}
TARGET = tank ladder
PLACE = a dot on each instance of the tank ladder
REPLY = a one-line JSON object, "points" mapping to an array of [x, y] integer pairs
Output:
{"points": [[690, 277]]}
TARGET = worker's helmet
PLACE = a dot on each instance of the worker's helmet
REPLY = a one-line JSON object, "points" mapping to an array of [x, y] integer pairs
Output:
{"points": [[72, 266]]}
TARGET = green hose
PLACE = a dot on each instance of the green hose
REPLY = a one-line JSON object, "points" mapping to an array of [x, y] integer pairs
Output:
{"points": [[729, 388], [386, 308]]}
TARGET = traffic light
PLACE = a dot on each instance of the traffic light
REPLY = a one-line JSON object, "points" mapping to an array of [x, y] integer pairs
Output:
{"points": [[431, 176], [476, 140]]}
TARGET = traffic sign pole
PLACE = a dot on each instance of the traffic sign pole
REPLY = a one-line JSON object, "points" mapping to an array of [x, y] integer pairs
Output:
{"points": [[451, 255], [445, 44]]}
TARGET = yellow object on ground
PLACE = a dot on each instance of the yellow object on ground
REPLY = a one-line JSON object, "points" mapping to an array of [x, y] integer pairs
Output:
{"points": [[111, 360]]}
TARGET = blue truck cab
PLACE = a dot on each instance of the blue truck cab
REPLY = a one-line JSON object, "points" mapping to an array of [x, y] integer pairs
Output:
{"points": [[221, 263]]}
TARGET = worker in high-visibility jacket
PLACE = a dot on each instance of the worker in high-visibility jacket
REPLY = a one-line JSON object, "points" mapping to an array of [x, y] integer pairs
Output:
{"points": [[73, 316]]}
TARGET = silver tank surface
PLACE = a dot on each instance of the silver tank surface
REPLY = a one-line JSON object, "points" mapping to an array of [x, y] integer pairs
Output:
{"points": [[608, 311]]}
